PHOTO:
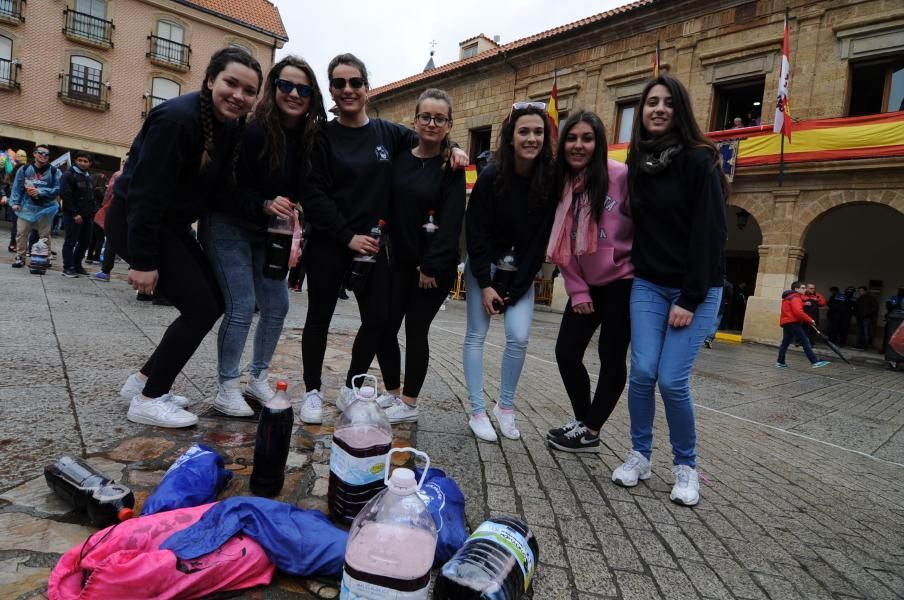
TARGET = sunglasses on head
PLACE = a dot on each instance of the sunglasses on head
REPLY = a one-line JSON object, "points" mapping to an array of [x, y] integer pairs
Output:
{"points": [[285, 86], [340, 82]]}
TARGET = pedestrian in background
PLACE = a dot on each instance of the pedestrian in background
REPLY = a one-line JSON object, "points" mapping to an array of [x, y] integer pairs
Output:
{"points": [[33, 197], [678, 194], [793, 320], [866, 311], [813, 301], [77, 192], [108, 255]]}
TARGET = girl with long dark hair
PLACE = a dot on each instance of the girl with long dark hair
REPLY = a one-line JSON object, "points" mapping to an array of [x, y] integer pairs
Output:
{"points": [[678, 195], [508, 221], [185, 151], [273, 161], [591, 243]]}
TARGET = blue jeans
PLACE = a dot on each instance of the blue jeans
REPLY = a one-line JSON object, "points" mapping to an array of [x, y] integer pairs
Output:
{"points": [[664, 354], [517, 319], [236, 254], [789, 332]]}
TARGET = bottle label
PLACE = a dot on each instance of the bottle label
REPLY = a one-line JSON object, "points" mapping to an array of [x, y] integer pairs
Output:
{"points": [[513, 542], [354, 589], [356, 471]]}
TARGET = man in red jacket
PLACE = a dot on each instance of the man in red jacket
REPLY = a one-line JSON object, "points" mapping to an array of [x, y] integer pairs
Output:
{"points": [[792, 322]]}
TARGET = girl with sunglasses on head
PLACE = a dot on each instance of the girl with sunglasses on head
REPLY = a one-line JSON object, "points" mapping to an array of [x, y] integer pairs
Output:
{"points": [[678, 194], [591, 244], [508, 221], [273, 161], [346, 196], [177, 164]]}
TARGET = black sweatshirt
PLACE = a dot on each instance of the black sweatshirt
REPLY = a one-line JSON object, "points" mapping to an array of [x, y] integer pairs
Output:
{"points": [[161, 184], [348, 189], [679, 227], [77, 192], [419, 186], [495, 223]]}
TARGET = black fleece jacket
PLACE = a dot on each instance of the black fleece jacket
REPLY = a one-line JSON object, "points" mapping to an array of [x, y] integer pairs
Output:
{"points": [[77, 192]]}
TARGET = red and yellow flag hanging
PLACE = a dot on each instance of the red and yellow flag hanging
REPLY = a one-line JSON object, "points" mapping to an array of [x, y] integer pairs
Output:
{"points": [[552, 113], [783, 121], [656, 60]]}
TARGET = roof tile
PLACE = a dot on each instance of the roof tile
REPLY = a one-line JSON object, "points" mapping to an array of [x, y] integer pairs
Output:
{"points": [[258, 14]]}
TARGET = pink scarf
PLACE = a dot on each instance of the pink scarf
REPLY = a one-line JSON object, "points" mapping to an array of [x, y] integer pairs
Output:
{"points": [[585, 231]]}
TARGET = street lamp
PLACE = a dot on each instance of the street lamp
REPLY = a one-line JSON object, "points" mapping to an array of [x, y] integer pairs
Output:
{"points": [[743, 216]]}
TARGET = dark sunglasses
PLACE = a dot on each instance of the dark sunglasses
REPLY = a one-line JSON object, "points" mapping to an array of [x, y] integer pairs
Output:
{"points": [[285, 86], [42, 152], [340, 82]]}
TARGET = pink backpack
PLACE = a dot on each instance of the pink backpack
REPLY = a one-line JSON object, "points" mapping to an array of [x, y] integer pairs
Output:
{"points": [[124, 561]]}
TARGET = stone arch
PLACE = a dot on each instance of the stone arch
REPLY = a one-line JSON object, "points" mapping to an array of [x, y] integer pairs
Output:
{"points": [[810, 212]]}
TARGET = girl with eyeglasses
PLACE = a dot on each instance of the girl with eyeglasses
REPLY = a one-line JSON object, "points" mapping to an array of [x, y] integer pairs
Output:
{"points": [[345, 196], [508, 221], [177, 166], [273, 160], [678, 194], [591, 244]]}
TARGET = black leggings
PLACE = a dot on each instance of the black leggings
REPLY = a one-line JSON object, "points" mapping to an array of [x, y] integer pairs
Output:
{"points": [[611, 310], [187, 281]]}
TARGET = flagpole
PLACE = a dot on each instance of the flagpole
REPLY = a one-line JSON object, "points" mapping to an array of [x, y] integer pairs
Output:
{"points": [[781, 164]]}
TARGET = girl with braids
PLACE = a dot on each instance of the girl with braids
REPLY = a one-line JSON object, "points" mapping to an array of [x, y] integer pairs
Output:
{"points": [[346, 194], [183, 153], [591, 244], [511, 208], [274, 158], [423, 269], [678, 195]]}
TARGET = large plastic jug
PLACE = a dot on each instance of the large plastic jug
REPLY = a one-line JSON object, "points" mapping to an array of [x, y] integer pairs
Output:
{"points": [[361, 443], [391, 542]]}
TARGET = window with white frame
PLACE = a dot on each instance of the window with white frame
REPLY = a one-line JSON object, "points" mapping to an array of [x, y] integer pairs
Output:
{"points": [[6, 60], [162, 89]]}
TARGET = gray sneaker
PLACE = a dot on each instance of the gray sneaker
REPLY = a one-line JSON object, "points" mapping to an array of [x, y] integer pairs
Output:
{"points": [[635, 467], [400, 412]]}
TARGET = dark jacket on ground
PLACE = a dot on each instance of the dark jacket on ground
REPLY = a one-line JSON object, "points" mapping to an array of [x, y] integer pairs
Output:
{"points": [[161, 184], [77, 192], [419, 186], [679, 227], [496, 223]]}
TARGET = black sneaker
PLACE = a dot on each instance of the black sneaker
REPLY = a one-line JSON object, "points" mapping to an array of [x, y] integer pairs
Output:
{"points": [[18, 263], [82, 271], [70, 273], [578, 439], [560, 431], [143, 297]]}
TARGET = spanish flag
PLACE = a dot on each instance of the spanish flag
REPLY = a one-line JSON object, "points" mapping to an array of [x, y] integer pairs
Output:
{"points": [[552, 113], [782, 121]]}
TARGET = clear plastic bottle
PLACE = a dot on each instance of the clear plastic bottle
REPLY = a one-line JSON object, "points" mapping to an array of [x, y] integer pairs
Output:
{"points": [[85, 488], [392, 541], [279, 247], [429, 229], [271, 449], [361, 443], [363, 264]]}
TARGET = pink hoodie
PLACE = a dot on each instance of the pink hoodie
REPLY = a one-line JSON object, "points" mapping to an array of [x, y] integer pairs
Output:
{"points": [[612, 259]]}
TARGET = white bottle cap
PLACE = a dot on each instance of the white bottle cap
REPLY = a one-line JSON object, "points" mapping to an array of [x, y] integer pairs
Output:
{"points": [[402, 482]]}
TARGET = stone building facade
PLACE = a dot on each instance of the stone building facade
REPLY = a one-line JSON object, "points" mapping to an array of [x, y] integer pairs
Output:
{"points": [[833, 222], [81, 74]]}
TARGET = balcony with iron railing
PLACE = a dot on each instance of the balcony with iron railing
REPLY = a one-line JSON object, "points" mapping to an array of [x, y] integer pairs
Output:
{"points": [[9, 74], [168, 53], [85, 88], [151, 102], [87, 29], [11, 11]]}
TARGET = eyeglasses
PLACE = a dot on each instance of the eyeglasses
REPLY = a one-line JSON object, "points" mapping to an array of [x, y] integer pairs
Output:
{"points": [[425, 118], [340, 82], [285, 86], [526, 105], [42, 153]]}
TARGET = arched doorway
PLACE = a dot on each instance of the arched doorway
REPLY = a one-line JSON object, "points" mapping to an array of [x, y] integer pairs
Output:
{"points": [[742, 260]]}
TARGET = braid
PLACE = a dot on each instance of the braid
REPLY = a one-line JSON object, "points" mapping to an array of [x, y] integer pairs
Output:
{"points": [[445, 151], [206, 127]]}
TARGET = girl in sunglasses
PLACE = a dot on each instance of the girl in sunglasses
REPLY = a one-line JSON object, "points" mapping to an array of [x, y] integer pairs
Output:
{"points": [[273, 161], [507, 225], [177, 166], [346, 196]]}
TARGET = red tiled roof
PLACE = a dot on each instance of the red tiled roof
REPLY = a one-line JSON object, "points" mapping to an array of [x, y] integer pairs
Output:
{"points": [[517, 44], [257, 14]]}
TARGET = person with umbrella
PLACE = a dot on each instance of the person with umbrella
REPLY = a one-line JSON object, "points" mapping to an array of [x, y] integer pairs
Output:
{"points": [[792, 321]]}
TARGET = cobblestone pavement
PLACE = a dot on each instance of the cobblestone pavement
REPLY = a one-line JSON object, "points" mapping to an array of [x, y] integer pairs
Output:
{"points": [[803, 471]]}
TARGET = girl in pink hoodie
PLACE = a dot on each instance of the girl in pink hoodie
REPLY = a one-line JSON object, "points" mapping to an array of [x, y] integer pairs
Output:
{"points": [[591, 244]]}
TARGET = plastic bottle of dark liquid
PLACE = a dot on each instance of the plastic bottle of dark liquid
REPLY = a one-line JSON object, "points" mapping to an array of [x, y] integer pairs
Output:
{"points": [[497, 562], [363, 264], [429, 228], [504, 277], [361, 442], [392, 541], [274, 435], [85, 488], [279, 247]]}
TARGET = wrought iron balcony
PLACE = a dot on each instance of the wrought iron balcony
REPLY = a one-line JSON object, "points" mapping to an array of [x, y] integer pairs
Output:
{"points": [[168, 53], [11, 11], [87, 28], [9, 74], [150, 102], [83, 87]]}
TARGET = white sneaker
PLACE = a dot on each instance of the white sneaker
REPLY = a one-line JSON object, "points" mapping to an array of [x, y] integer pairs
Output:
{"points": [[385, 400], [686, 490], [507, 423], [400, 412], [258, 388], [345, 398], [635, 467], [229, 400], [159, 412], [312, 407], [482, 427], [134, 386]]}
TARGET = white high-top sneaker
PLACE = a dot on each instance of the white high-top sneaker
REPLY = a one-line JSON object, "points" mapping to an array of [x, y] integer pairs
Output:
{"points": [[258, 388], [229, 400], [312, 407]]}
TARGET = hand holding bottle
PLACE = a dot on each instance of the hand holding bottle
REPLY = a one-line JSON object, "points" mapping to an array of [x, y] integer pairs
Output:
{"points": [[279, 206], [364, 244], [492, 301]]}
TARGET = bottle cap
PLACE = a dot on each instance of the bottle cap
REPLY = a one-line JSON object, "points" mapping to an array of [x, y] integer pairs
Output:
{"points": [[125, 513], [282, 386], [402, 482]]}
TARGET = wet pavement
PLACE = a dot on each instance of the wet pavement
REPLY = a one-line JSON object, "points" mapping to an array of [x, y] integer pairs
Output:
{"points": [[803, 470]]}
